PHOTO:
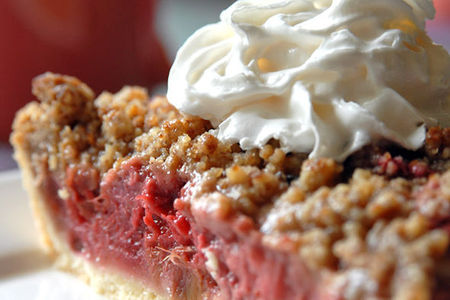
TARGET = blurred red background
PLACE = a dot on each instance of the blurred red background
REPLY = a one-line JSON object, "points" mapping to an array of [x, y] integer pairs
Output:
{"points": [[442, 10], [106, 43]]}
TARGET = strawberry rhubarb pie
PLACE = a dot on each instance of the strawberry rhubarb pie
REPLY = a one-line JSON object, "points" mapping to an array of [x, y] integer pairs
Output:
{"points": [[302, 152]]}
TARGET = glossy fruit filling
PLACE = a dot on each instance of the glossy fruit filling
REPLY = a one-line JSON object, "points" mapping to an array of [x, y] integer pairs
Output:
{"points": [[131, 221]]}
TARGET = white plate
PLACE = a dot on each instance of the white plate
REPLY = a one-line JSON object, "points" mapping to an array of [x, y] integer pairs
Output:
{"points": [[25, 273]]}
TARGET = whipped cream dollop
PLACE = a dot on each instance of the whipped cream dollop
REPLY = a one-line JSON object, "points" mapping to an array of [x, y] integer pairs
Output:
{"points": [[321, 76]]}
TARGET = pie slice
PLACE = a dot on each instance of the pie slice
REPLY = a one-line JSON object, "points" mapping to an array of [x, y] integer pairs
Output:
{"points": [[143, 202]]}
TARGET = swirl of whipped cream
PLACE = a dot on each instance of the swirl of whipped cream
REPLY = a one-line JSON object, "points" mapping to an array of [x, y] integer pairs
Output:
{"points": [[321, 76]]}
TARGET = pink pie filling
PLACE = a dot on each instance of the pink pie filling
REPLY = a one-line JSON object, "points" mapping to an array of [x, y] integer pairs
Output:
{"points": [[130, 223]]}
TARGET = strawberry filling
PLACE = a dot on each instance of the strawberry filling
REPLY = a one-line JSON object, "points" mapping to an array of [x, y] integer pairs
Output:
{"points": [[138, 221], [132, 222]]}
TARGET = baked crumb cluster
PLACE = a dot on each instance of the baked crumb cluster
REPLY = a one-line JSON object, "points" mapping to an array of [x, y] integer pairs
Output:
{"points": [[376, 218]]}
